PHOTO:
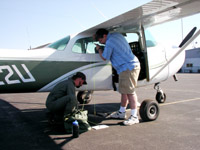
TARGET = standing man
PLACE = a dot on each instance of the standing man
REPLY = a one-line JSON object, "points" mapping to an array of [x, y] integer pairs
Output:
{"points": [[127, 65], [62, 100]]}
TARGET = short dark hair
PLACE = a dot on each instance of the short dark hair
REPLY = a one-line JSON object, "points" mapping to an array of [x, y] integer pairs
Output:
{"points": [[99, 34], [80, 75]]}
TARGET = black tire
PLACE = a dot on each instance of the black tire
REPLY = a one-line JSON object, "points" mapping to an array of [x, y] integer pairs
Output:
{"points": [[81, 97], [149, 110], [161, 98]]}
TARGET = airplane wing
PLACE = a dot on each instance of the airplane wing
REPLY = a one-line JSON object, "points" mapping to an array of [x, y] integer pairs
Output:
{"points": [[150, 14]]}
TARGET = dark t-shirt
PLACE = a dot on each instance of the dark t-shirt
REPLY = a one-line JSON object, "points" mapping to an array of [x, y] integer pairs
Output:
{"points": [[64, 88]]}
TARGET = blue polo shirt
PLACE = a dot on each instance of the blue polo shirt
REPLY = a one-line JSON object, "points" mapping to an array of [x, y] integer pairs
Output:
{"points": [[118, 51]]}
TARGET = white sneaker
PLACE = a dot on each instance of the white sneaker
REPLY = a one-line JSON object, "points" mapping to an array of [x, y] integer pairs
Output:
{"points": [[138, 104], [131, 120], [118, 115]]}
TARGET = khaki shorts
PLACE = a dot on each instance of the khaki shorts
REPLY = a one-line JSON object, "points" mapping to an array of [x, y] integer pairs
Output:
{"points": [[128, 81]]}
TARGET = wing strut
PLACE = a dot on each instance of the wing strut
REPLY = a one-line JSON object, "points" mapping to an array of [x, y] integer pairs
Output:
{"points": [[180, 50]]}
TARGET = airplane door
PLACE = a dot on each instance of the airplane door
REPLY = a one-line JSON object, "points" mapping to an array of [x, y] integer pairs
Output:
{"points": [[155, 58]]}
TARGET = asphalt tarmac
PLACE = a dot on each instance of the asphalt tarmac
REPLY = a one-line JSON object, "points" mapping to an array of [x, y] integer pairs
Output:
{"points": [[23, 123]]}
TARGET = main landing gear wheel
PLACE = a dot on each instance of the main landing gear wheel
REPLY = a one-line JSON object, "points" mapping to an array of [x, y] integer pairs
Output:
{"points": [[84, 97], [149, 110]]}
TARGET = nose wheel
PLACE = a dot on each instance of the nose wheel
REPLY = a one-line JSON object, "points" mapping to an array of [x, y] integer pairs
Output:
{"points": [[160, 95], [84, 97]]}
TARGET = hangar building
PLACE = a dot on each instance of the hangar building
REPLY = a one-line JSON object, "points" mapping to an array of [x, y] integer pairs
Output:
{"points": [[192, 61]]}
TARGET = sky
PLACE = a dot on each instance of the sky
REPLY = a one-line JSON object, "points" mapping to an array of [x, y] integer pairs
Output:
{"points": [[31, 23]]}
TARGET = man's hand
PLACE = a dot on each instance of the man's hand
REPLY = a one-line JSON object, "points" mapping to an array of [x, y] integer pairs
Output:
{"points": [[97, 47]]}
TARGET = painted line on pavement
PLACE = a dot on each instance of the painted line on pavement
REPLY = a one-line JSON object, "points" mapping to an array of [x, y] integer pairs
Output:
{"points": [[183, 101]]}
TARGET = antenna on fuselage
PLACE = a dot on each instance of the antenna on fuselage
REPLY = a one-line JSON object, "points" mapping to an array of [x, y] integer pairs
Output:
{"points": [[29, 41]]}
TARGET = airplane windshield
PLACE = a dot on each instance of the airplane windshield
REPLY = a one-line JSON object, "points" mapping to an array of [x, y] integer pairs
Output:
{"points": [[60, 44], [150, 41]]}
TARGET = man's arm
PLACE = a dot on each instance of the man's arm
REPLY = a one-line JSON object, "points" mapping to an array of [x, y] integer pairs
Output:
{"points": [[100, 54]]}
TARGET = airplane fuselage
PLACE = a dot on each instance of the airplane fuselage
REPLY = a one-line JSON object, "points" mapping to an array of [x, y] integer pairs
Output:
{"points": [[40, 70]]}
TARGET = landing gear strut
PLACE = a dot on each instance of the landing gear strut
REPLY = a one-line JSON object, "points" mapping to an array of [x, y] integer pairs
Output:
{"points": [[160, 96]]}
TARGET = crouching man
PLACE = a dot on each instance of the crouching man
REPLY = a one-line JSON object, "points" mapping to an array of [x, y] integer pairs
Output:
{"points": [[62, 101]]}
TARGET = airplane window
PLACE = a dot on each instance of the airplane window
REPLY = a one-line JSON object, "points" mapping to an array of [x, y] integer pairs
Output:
{"points": [[133, 40], [91, 48], [60, 44], [131, 37], [77, 48], [85, 46]]}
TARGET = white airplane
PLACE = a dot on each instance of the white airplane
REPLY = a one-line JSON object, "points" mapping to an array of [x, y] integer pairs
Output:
{"points": [[40, 69]]}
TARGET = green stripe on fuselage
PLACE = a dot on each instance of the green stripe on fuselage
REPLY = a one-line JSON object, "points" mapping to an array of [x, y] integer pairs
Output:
{"points": [[43, 72]]}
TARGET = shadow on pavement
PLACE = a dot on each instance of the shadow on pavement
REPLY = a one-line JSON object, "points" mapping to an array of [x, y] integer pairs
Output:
{"points": [[29, 128]]}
